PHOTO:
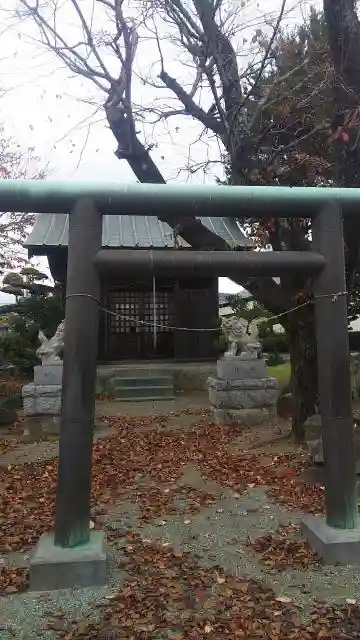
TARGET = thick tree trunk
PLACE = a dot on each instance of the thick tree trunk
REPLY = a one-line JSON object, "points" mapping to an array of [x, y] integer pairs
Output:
{"points": [[268, 293], [265, 290], [343, 28], [304, 383]]}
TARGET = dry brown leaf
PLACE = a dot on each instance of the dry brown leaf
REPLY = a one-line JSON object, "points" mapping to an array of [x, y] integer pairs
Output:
{"points": [[219, 578], [284, 599]]}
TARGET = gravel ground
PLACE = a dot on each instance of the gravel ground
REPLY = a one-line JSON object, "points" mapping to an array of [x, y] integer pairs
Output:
{"points": [[216, 535], [44, 450]]}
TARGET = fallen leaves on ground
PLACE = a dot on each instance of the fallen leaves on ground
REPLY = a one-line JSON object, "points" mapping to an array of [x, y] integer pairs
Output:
{"points": [[6, 445], [26, 503], [298, 495], [141, 451], [284, 549], [156, 501], [13, 580], [169, 595]]}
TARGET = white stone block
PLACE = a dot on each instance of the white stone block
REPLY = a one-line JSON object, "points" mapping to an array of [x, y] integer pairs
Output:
{"points": [[48, 374], [41, 399], [29, 406], [253, 393], [243, 399], [237, 368]]}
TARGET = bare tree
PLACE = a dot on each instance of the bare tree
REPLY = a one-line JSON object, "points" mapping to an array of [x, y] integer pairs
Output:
{"points": [[210, 61], [14, 227], [104, 46]]}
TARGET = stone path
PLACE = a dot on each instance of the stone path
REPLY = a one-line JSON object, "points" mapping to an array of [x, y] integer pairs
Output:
{"points": [[216, 535], [43, 450], [28, 451], [182, 402]]}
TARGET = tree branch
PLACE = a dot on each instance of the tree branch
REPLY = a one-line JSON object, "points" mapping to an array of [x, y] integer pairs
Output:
{"points": [[220, 48], [90, 41], [266, 54], [190, 105], [214, 56], [78, 64]]}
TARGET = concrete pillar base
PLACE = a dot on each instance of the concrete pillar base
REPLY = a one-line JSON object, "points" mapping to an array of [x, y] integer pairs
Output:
{"points": [[334, 546], [53, 567]]}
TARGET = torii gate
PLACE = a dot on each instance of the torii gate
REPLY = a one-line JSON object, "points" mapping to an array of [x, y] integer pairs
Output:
{"points": [[72, 545]]}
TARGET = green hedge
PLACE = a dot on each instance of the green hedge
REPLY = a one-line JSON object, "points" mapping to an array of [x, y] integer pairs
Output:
{"points": [[274, 344]]}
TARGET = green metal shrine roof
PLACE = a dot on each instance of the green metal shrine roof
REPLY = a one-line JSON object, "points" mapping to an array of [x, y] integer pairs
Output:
{"points": [[52, 230]]}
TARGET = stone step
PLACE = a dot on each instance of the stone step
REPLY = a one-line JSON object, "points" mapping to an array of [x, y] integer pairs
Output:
{"points": [[143, 381], [133, 372], [144, 399], [144, 393]]}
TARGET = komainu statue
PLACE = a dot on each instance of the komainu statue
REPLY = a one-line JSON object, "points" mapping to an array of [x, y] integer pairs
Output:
{"points": [[242, 337], [51, 350]]}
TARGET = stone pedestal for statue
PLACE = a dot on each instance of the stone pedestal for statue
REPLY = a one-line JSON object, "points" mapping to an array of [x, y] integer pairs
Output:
{"points": [[241, 393], [42, 398]]}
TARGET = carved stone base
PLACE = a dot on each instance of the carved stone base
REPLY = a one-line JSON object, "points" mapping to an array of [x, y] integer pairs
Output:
{"points": [[41, 399], [243, 394], [243, 417], [43, 396]]}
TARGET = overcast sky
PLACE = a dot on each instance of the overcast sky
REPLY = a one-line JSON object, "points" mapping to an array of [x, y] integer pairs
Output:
{"points": [[43, 106]]}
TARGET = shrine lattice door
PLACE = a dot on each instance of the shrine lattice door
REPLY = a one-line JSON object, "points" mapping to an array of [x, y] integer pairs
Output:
{"points": [[130, 332]]}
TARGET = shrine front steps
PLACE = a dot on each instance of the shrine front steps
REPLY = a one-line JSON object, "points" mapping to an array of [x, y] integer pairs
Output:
{"points": [[142, 388]]}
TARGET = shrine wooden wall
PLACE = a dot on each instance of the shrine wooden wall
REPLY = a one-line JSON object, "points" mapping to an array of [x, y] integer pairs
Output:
{"points": [[127, 333]]}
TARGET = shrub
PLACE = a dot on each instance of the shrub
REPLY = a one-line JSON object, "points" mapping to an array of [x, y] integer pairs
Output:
{"points": [[18, 347], [37, 307], [274, 359], [274, 344], [271, 341]]}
